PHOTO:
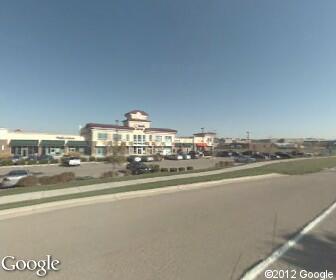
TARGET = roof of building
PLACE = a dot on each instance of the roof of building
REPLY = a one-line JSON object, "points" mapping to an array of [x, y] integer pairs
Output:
{"points": [[100, 125], [136, 111], [204, 133], [161, 129]]}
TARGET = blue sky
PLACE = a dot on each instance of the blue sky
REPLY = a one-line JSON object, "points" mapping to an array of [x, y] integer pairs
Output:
{"points": [[230, 66]]}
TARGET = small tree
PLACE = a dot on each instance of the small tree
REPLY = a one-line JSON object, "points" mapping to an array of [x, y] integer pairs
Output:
{"points": [[118, 155]]}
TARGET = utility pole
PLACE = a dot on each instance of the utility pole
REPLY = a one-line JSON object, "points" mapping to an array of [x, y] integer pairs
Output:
{"points": [[117, 130], [248, 134]]}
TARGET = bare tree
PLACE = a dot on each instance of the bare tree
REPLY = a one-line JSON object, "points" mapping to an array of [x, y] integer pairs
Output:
{"points": [[118, 155]]}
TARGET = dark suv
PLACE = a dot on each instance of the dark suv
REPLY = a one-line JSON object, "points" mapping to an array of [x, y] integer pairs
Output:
{"points": [[138, 168]]}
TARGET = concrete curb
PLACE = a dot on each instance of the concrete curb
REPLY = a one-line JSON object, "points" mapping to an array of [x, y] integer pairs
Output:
{"points": [[58, 205]]}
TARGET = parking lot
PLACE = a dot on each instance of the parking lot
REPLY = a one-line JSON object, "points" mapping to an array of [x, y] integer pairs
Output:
{"points": [[96, 169]]}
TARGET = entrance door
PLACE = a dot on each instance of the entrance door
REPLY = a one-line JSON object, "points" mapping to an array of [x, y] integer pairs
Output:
{"points": [[140, 151], [24, 151]]}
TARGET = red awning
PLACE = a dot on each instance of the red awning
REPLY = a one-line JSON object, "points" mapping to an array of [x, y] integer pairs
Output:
{"points": [[201, 145]]}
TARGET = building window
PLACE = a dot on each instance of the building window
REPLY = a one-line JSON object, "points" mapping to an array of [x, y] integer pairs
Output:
{"points": [[127, 137], [102, 136], [150, 137], [101, 151], [158, 138], [116, 137]]}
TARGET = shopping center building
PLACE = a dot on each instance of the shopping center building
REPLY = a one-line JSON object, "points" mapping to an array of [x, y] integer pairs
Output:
{"points": [[202, 142], [24, 143], [135, 133]]}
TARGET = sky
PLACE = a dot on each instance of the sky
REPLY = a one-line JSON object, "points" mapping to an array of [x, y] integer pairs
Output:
{"points": [[264, 66]]}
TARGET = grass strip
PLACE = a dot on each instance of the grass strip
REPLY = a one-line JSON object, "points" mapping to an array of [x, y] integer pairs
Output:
{"points": [[298, 167], [289, 168]]}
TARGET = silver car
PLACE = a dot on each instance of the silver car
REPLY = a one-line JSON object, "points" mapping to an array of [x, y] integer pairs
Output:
{"points": [[13, 177]]}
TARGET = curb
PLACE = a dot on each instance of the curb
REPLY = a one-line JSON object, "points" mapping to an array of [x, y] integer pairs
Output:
{"points": [[64, 204]]}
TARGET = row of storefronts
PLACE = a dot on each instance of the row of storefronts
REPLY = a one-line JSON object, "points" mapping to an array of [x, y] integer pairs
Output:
{"points": [[135, 134]]}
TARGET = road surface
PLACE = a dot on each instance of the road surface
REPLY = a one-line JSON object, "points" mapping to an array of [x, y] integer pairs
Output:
{"points": [[212, 233]]}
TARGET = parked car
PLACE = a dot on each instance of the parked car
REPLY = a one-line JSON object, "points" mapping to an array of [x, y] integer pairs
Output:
{"points": [[16, 158], [138, 168], [174, 157], [45, 157], [71, 161], [283, 155], [259, 156], [195, 155], [224, 154], [177, 157], [245, 159], [207, 153], [271, 156], [186, 156], [134, 159], [297, 154], [235, 154], [13, 177], [147, 158], [248, 153], [32, 158]]}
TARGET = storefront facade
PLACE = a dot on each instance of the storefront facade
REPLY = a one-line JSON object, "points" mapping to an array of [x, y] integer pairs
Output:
{"points": [[25, 144], [135, 134]]}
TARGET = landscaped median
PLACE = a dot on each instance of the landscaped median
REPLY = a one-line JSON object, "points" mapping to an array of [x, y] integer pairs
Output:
{"points": [[113, 186]]}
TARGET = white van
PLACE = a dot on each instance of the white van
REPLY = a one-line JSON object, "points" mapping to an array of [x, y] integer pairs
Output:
{"points": [[71, 161]]}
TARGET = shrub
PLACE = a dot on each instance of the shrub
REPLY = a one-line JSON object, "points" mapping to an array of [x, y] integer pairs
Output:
{"points": [[181, 169], [83, 159], [116, 159], [31, 162], [60, 178], [155, 167], [164, 170], [158, 157], [173, 169], [126, 172], [28, 181], [189, 168], [54, 161], [21, 162], [6, 162], [47, 180], [109, 174], [43, 161], [222, 164], [100, 159], [65, 177], [91, 158]]}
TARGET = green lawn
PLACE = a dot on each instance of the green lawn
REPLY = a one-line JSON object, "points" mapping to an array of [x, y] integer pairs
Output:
{"points": [[303, 166], [86, 182]]}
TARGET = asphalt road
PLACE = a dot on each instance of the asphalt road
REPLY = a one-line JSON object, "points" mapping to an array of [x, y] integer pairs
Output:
{"points": [[212, 233], [97, 169]]}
